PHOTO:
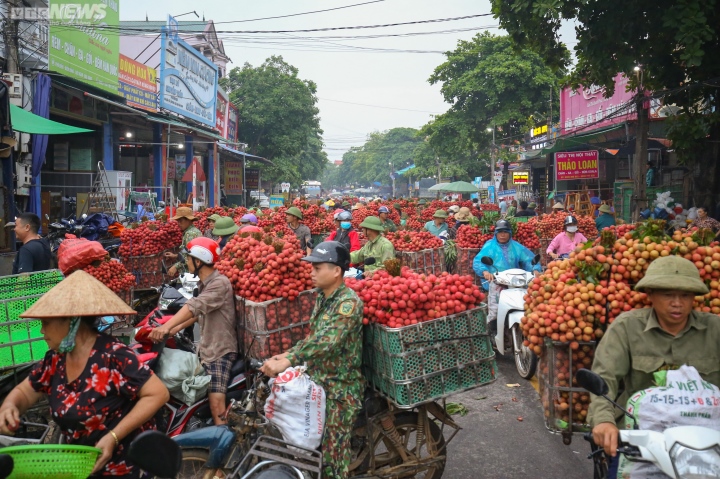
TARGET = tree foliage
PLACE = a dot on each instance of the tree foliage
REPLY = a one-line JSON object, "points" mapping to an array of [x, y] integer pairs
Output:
{"points": [[278, 119]]}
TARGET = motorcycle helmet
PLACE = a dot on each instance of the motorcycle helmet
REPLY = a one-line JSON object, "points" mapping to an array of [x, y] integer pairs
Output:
{"points": [[503, 225], [570, 220], [330, 252], [336, 216], [344, 216], [383, 209], [204, 249], [249, 218]]}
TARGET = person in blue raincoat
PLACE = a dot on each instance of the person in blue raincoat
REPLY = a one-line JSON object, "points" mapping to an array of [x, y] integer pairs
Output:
{"points": [[506, 253]]}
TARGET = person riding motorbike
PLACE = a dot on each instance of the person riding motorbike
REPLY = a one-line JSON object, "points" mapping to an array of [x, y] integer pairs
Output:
{"points": [[641, 342], [214, 309], [332, 353], [99, 394], [567, 240], [345, 234], [506, 253]]}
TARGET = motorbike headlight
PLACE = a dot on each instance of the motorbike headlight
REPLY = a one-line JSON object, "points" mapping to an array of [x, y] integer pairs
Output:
{"points": [[695, 464], [518, 282]]}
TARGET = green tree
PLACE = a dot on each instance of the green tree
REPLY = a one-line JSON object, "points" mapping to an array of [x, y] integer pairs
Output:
{"points": [[278, 118], [489, 83]]}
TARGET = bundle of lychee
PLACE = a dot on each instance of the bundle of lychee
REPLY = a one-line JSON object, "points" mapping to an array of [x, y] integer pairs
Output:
{"points": [[149, 238], [398, 297], [551, 225], [413, 240], [371, 209], [113, 275]]}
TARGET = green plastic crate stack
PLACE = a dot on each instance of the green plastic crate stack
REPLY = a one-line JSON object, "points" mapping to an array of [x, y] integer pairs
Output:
{"points": [[429, 360], [20, 339]]}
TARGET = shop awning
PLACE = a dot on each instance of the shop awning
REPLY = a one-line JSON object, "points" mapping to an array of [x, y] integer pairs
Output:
{"points": [[248, 156], [27, 122], [405, 170], [196, 130]]}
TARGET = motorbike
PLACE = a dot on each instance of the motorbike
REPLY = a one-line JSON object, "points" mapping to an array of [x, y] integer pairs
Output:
{"points": [[386, 442], [177, 417], [679, 452], [511, 309]]}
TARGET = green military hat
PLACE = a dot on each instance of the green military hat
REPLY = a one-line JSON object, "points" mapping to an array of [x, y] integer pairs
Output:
{"points": [[532, 206], [440, 214], [605, 209], [422, 202], [294, 211], [372, 223], [673, 273], [225, 226], [397, 206], [214, 217], [345, 204]]}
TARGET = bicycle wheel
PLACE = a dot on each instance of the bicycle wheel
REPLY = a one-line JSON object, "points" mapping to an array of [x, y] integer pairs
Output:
{"points": [[193, 465], [429, 454]]}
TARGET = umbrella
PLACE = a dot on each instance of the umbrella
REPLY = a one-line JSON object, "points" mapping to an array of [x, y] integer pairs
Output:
{"points": [[439, 187], [460, 187]]}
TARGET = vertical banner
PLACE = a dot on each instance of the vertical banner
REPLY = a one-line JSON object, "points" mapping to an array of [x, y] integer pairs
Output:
{"points": [[577, 165], [233, 177], [231, 124], [221, 112], [252, 179]]}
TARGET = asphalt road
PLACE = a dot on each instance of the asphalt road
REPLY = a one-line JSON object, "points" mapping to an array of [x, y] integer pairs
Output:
{"points": [[495, 444]]}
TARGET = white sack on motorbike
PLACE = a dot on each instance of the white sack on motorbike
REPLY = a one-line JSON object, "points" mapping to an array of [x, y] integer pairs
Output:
{"points": [[682, 398], [296, 406], [183, 375]]}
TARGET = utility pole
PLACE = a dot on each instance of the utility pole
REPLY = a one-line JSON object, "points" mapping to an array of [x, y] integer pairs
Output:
{"points": [[493, 160], [641, 137], [10, 38]]}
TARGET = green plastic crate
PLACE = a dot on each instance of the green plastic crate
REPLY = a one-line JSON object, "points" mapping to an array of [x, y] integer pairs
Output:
{"points": [[20, 339]]}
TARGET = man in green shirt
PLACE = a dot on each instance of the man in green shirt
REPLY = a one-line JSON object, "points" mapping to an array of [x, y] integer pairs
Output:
{"points": [[640, 342], [332, 353], [378, 246], [383, 213], [184, 217], [605, 219]]}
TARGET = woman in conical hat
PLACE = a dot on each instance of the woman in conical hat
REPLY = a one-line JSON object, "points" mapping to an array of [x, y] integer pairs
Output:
{"points": [[100, 394]]}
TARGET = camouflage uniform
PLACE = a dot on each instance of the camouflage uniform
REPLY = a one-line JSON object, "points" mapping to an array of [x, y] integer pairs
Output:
{"points": [[389, 225], [190, 234], [381, 249], [333, 353]]}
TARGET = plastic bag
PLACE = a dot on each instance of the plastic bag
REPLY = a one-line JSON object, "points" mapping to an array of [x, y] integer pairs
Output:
{"points": [[682, 398], [183, 375], [76, 253], [296, 406]]}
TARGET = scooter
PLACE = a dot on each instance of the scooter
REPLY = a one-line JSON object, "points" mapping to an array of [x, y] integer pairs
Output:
{"points": [[511, 309], [679, 452]]}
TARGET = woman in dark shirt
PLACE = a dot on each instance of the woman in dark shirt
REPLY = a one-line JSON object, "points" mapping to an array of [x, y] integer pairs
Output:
{"points": [[99, 393]]}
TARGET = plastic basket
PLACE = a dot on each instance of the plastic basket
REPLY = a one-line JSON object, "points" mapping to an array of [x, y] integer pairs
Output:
{"points": [[430, 360], [148, 269], [52, 461], [271, 327], [20, 339], [559, 391], [427, 261]]}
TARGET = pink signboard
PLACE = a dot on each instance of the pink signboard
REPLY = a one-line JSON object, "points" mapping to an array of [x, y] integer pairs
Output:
{"points": [[588, 109], [221, 112], [577, 165], [231, 123]]}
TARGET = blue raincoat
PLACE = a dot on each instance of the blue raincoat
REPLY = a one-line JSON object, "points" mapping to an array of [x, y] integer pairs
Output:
{"points": [[510, 255]]}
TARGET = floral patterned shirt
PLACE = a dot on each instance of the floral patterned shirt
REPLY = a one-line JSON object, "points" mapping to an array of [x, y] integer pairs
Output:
{"points": [[90, 406]]}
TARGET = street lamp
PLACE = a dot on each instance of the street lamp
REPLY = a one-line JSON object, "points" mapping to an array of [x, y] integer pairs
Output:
{"points": [[392, 175]]}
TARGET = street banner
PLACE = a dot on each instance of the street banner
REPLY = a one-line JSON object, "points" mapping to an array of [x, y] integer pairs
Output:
{"points": [[507, 195], [138, 84], [233, 177], [85, 42], [520, 177], [252, 179], [577, 165]]}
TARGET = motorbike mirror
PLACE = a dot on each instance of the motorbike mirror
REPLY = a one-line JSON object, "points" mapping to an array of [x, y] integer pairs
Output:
{"points": [[6, 465], [156, 453], [536, 259], [591, 381], [369, 261], [47, 216], [196, 292], [487, 260]]}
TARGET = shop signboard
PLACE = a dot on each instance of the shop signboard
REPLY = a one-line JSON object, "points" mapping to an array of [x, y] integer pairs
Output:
{"points": [[252, 179], [520, 177], [577, 165], [188, 80], [491, 194], [231, 124], [221, 112], [233, 177], [277, 200], [587, 109], [498, 179], [507, 195], [138, 84], [180, 166], [84, 42]]}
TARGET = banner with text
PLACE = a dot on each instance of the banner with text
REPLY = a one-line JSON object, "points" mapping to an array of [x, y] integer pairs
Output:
{"points": [[252, 179], [577, 165], [138, 84], [520, 177], [84, 42], [233, 177]]}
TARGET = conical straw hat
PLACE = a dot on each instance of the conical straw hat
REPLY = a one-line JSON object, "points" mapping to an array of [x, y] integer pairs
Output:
{"points": [[78, 295]]}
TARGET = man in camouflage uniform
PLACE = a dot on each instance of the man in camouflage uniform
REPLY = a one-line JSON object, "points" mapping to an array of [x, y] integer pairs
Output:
{"points": [[378, 246], [184, 218], [389, 225], [333, 354]]}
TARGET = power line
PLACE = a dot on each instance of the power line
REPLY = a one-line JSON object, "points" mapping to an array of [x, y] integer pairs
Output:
{"points": [[379, 106], [304, 13]]}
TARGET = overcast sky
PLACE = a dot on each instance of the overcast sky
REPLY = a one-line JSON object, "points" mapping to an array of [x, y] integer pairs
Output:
{"points": [[361, 88]]}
